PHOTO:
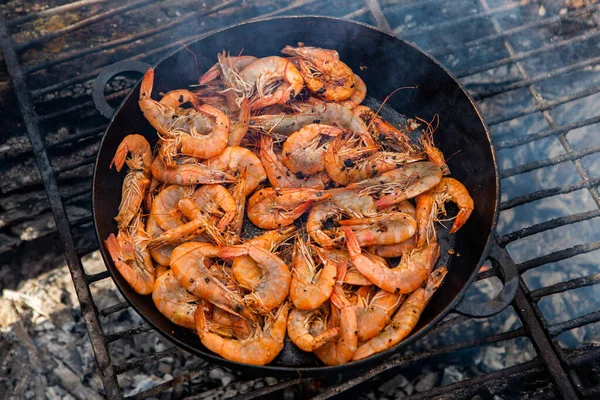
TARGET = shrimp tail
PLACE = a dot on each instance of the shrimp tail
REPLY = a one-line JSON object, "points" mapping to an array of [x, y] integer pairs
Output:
{"points": [[112, 245], [461, 218], [147, 83], [434, 281], [325, 337], [351, 242], [119, 159]]}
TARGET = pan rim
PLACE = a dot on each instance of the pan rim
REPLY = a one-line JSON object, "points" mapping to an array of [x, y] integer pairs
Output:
{"points": [[309, 371]]}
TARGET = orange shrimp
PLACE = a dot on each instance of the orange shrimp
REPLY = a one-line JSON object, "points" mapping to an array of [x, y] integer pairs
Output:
{"points": [[274, 208], [310, 288], [374, 311], [187, 264], [137, 180], [260, 348], [405, 320], [131, 257], [430, 204], [303, 150], [280, 176], [406, 277], [187, 173], [233, 160], [384, 229], [173, 301], [274, 285], [308, 329], [358, 95]]}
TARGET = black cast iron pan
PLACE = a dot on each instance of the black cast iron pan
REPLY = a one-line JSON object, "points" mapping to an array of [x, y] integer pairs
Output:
{"points": [[385, 63]]}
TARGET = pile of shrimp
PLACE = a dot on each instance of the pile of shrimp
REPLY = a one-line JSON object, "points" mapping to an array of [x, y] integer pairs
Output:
{"points": [[346, 204]]}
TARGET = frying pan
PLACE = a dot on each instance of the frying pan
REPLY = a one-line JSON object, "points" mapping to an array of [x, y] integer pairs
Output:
{"points": [[385, 63]]}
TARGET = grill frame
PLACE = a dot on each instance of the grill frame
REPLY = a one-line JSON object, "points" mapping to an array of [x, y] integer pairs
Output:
{"points": [[551, 357]]}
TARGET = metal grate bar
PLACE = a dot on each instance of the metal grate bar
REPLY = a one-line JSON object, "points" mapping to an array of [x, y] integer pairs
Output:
{"points": [[571, 156], [170, 384], [82, 106], [111, 337], [88, 311], [258, 393], [576, 283], [588, 356], [553, 223], [547, 105], [119, 369], [449, 48], [90, 247], [380, 19], [81, 24], [415, 357], [535, 79], [53, 11], [90, 75], [542, 194], [521, 56], [87, 219], [114, 308], [97, 277], [86, 161], [557, 329], [559, 130], [441, 25], [131, 38], [529, 366], [558, 256], [77, 136], [541, 343]]}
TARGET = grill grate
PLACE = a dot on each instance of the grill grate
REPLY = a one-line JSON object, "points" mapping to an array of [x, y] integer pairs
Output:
{"points": [[558, 370]]}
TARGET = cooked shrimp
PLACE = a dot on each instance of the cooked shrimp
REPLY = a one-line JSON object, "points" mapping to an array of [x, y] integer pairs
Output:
{"points": [[273, 208], [137, 180], [302, 152], [216, 200], [262, 76], [280, 176], [406, 277], [384, 133], [384, 229], [177, 98], [308, 329], [434, 154], [162, 254], [274, 285], [405, 320], [430, 204], [195, 216], [153, 189], [164, 118], [173, 301], [131, 257], [401, 184], [187, 264], [352, 276], [245, 270], [358, 95], [236, 62], [185, 173], [260, 348], [164, 207], [238, 193], [323, 113], [235, 159], [343, 202], [226, 324], [347, 162], [340, 350], [395, 250], [240, 128], [310, 288], [374, 311], [323, 72]]}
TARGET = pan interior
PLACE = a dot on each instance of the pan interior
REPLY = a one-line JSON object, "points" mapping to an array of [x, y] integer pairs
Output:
{"points": [[385, 63]]}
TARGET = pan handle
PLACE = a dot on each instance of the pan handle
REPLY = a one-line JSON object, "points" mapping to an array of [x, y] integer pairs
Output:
{"points": [[106, 75], [508, 271]]}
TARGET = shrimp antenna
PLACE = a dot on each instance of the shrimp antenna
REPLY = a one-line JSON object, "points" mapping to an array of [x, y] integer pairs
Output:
{"points": [[387, 98], [195, 58]]}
